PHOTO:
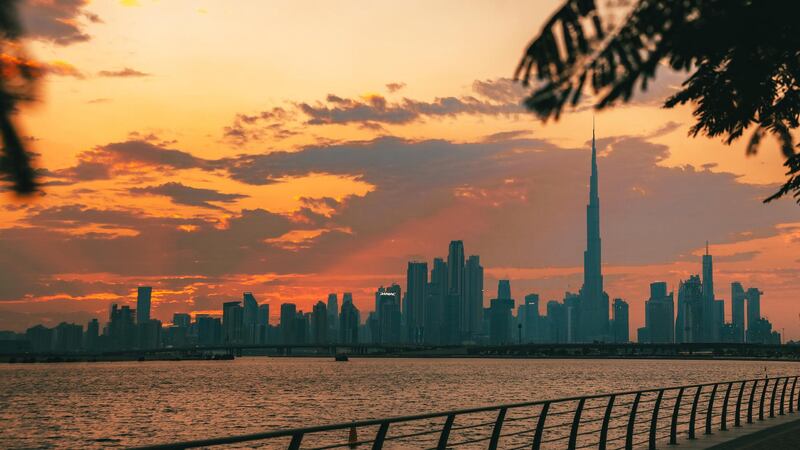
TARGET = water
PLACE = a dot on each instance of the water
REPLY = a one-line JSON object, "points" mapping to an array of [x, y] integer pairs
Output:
{"points": [[84, 405]]}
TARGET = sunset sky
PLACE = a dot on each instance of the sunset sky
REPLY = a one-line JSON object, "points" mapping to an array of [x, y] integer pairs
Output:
{"points": [[295, 148]]}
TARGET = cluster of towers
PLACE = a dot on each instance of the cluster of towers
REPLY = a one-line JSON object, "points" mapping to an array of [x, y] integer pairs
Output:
{"points": [[701, 316]]}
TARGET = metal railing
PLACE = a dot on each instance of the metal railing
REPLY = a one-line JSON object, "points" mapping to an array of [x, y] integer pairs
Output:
{"points": [[646, 418]]}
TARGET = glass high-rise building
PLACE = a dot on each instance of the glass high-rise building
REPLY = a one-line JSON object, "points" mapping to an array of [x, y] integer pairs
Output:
{"points": [[143, 294]]}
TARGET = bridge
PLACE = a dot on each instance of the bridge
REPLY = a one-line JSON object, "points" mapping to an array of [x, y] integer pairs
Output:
{"points": [[700, 414], [577, 350]]}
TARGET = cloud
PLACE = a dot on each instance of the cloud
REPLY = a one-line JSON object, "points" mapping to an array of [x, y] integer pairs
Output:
{"points": [[270, 123], [118, 158], [63, 69], [394, 87], [504, 90], [376, 109], [737, 257], [126, 72], [56, 21], [187, 195]]}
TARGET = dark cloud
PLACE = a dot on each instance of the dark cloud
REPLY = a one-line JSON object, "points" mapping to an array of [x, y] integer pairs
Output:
{"points": [[270, 124], [117, 158], [126, 72], [187, 195], [56, 21], [394, 87], [665, 129], [506, 135], [376, 109]]}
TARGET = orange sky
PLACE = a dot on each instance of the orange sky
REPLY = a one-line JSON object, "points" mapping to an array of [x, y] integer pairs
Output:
{"points": [[292, 148]]}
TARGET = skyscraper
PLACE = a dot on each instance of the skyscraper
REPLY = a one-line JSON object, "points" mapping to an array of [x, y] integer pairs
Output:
{"points": [[262, 324], [659, 315], [503, 289], [288, 323], [528, 317], [414, 305], [232, 323], [249, 317], [689, 326], [711, 322], [250, 308], [500, 315], [454, 302], [472, 313], [593, 305], [333, 316], [183, 320], [388, 315], [319, 323], [753, 297], [737, 310], [434, 304], [143, 294], [92, 335], [621, 332], [349, 321]]}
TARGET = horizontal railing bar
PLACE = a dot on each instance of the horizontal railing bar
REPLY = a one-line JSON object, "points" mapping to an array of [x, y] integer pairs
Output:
{"points": [[400, 419]]}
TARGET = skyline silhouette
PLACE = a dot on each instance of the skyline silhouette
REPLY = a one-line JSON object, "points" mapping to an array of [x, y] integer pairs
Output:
{"points": [[447, 308]]}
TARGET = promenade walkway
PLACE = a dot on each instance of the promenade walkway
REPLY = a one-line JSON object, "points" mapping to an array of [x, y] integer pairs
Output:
{"points": [[779, 433]]}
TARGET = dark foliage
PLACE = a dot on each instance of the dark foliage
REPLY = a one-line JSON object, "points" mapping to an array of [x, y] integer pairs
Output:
{"points": [[743, 55], [17, 81]]}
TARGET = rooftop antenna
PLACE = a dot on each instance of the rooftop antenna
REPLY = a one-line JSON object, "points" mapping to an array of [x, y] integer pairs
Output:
{"points": [[706, 247]]}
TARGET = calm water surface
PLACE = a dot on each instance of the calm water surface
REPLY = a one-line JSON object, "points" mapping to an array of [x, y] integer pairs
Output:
{"points": [[101, 405]]}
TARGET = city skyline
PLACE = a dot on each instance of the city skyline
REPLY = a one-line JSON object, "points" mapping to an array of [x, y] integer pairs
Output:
{"points": [[447, 308], [274, 183]]}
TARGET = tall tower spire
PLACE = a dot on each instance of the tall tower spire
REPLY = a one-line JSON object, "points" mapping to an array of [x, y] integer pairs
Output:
{"points": [[594, 302]]}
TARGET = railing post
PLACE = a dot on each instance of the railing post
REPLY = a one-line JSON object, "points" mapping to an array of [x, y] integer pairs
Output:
{"points": [[737, 422], [576, 421], [537, 437], [763, 397], [498, 426], [654, 420], [632, 422], [724, 418], [693, 414], [673, 429], [750, 403], [791, 396], [710, 408], [783, 395], [381, 436], [606, 418], [772, 398], [297, 438], [448, 424]]}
